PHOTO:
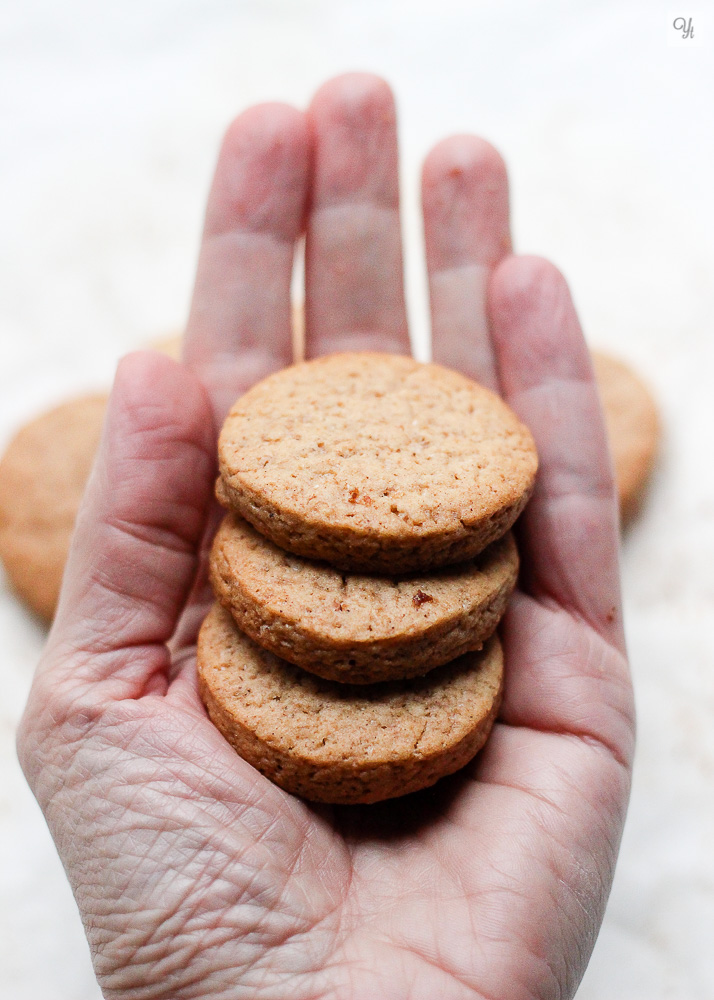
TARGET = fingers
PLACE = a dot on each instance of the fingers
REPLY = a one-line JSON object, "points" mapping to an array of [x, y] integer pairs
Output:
{"points": [[466, 230], [239, 327], [133, 557], [354, 290], [569, 540]]}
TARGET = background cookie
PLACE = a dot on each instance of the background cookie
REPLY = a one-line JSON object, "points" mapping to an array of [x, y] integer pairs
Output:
{"points": [[356, 628], [43, 474], [338, 742], [42, 478], [632, 427], [375, 462], [168, 345]]}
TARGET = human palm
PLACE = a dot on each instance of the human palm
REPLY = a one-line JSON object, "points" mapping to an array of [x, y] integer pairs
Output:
{"points": [[197, 877]]}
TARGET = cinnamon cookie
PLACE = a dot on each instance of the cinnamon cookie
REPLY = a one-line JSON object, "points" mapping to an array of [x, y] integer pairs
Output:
{"points": [[355, 628], [632, 427], [376, 463], [338, 742], [42, 478]]}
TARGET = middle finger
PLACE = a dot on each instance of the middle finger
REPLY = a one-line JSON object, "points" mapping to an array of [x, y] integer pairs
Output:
{"points": [[354, 287], [466, 229]]}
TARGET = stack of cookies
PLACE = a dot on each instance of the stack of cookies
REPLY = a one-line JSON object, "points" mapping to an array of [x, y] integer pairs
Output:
{"points": [[45, 468], [361, 572]]}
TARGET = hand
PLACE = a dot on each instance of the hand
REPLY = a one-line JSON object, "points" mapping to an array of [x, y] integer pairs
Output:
{"points": [[197, 877]]}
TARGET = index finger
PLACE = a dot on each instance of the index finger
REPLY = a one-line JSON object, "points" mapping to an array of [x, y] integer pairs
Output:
{"points": [[239, 328]]}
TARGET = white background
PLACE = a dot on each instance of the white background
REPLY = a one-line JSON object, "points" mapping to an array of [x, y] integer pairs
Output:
{"points": [[111, 118]]}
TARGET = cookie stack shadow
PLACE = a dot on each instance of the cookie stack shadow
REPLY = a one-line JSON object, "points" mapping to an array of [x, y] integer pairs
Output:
{"points": [[360, 574]]}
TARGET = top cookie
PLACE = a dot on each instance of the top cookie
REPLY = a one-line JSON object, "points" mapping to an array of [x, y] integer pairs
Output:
{"points": [[375, 462]]}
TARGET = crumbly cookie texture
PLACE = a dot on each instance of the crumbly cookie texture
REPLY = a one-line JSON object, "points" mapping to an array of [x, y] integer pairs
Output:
{"points": [[633, 428], [342, 743], [376, 463], [357, 628], [42, 478]]}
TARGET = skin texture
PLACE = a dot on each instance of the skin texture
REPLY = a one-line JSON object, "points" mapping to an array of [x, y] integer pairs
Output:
{"points": [[194, 875]]}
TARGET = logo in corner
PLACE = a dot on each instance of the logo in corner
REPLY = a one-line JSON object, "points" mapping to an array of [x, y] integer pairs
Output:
{"points": [[685, 26]]}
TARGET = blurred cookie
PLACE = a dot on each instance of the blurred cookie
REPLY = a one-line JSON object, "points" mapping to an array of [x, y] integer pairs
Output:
{"points": [[632, 426], [376, 463], [170, 346], [43, 474], [338, 742], [352, 628], [42, 478]]}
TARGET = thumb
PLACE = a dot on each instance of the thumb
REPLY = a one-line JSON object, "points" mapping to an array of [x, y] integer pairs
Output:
{"points": [[134, 552]]}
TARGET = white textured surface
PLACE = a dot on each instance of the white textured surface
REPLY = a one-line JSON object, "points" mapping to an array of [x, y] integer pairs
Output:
{"points": [[111, 119]]}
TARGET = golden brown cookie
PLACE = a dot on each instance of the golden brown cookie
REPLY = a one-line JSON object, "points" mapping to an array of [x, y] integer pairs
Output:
{"points": [[375, 463], [42, 478], [354, 628], [338, 742], [632, 427]]}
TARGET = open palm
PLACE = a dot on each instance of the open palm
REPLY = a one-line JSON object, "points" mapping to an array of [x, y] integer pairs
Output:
{"points": [[194, 875]]}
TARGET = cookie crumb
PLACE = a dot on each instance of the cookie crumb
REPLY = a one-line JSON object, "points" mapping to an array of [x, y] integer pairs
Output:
{"points": [[421, 598]]}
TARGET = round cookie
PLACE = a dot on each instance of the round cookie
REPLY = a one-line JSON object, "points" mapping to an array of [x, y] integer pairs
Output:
{"points": [[355, 628], [42, 478], [338, 742], [43, 474], [375, 463], [632, 427]]}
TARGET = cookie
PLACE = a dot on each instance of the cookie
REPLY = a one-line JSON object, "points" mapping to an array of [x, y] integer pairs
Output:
{"points": [[633, 428], [171, 346], [338, 742], [42, 478], [355, 628], [375, 463]]}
